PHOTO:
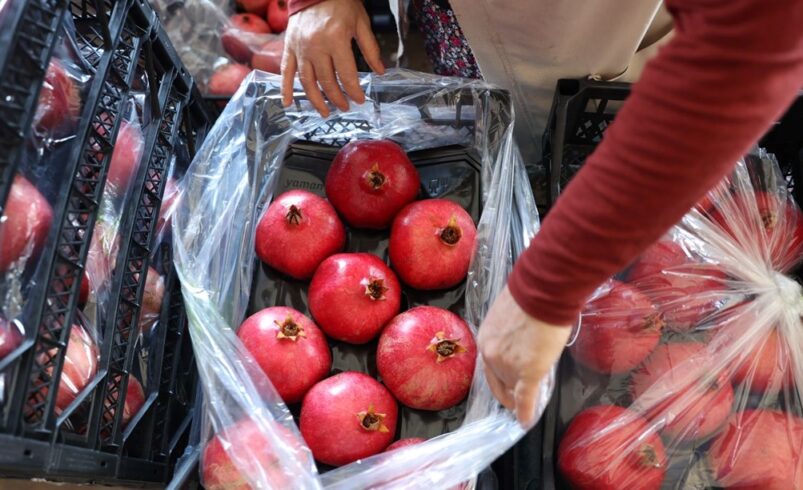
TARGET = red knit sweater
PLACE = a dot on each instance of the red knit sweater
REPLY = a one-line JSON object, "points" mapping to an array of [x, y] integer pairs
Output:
{"points": [[731, 69]]}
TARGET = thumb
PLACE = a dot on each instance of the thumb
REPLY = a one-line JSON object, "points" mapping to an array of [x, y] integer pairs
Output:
{"points": [[369, 47], [526, 395]]}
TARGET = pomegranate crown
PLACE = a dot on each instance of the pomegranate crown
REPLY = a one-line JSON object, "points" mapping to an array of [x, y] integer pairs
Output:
{"points": [[375, 288], [451, 233], [372, 421], [445, 348], [289, 329]]}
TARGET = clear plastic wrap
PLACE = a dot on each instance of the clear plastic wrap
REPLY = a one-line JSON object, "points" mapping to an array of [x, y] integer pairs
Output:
{"points": [[233, 177], [687, 368]]}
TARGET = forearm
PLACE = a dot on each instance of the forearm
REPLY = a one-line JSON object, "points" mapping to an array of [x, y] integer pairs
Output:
{"points": [[732, 68]]}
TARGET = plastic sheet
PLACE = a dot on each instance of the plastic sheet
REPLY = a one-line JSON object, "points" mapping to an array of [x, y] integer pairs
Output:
{"points": [[687, 368], [242, 165]]}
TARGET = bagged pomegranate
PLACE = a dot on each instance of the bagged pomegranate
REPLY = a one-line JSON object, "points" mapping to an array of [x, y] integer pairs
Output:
{"points": [[265, 230], [690, 363]]}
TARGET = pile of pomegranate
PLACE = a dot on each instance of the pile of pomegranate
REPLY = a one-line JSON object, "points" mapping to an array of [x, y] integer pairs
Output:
{"points": [[425, 356], [672, 363], [251, 39]]}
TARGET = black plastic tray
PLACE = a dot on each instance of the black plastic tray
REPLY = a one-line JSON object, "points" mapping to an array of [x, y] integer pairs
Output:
{"points": [[581, 111]]}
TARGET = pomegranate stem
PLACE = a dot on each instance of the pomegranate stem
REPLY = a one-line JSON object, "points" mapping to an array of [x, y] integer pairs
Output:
{"points": [[648, 457], [289, 329], [375, 289], [452, 233], [293, 215], [375, 178]]}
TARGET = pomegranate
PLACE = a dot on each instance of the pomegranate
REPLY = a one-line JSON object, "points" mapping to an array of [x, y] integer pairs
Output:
{"points": [[410, 441], [227, 79], [278, 15], [10, 337], [627, 455], [238, 37], [134, 400], [767, 367], [370, 181], [431, 243], [268, 57], [782, 222], [253, 6], [689, 411], [83, 291], [759, 449], [352, 296], [289, 348], [80, 366], [426, 358], [256, 458], [297, 232], [59, 102], [152, 297], [348, 417], [101, 259], [618, 330], [170, 200], [687, 293], [25, 223], [128, 149]]}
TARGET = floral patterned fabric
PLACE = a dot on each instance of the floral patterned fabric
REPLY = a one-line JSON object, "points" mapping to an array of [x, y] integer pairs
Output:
{"points": [[445, 44]]}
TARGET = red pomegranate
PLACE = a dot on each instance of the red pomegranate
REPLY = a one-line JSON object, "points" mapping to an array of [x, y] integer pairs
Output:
{"points": [[239, 36], [348, 417], [426, 358], [170, 200], [278, 15], [628, 454], [352, 296], [689, 411], [128, 149], [253, 6], [10, 337], [370, 181], [83, 291], [289, 348], [134, 400], [257, 462], [782, 221], [618, 330], [686, 292], [759, 450], [25, 223], [431, 243], [268, 57], [297, 232], [410, 441], [80, 366], [227, 79], [152, 297], [59, 99], [101, 259], [767, 367]]}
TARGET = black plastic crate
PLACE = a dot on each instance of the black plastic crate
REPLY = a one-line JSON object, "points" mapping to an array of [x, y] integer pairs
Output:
{"points": [[123, 42], [581, 111]]}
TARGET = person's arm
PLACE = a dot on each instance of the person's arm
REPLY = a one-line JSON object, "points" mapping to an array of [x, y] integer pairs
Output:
{"points": [[318, 47], [732, 68]]}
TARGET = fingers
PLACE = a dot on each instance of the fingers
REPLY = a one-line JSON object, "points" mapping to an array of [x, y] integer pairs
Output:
{"points": [[346, 69], [369, 47], [526, 396], [325, 73], [308, 80], [289, 67], [499, 390]]}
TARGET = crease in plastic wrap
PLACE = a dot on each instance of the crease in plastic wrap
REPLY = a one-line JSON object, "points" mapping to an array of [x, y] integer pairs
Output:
{"points": [[688, 367], [223, 193]]}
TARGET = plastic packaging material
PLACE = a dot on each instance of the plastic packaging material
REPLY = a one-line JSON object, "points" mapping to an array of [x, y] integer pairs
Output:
{"points": [[689, 364], [241, 166], [209, 34]]}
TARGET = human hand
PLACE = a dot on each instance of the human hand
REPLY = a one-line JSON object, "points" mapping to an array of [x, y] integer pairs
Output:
{"points": [[518, 351], [318, 47]]}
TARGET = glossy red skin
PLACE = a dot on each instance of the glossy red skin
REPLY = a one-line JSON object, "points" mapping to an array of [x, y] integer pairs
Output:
{"points": [[128, 148], [329, 418], [769, 364], [686, 292], [268, 57], [610, 461], [410, 441], [26, 219], [83, 291], [278, 15], [59, 102], [412, 372], [338, 300], [80, 366], [134, 400], [170, 200], [255, 451], [667, 369], [101, 260], [253, 6], [227, 79], [350, 192], [618, 330], [152, 297], [297, 249], [10, 338], [784, 227], [293, 366], [418, 255], [236, 39], [759, 450]]}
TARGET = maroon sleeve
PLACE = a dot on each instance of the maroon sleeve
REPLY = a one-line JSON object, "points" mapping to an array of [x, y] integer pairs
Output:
{"points": [[294, 6], [730, 71]]}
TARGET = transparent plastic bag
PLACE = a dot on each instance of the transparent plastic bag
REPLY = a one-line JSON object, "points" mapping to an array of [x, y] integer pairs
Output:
{"points": [[232, 178], [690, 362]]}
